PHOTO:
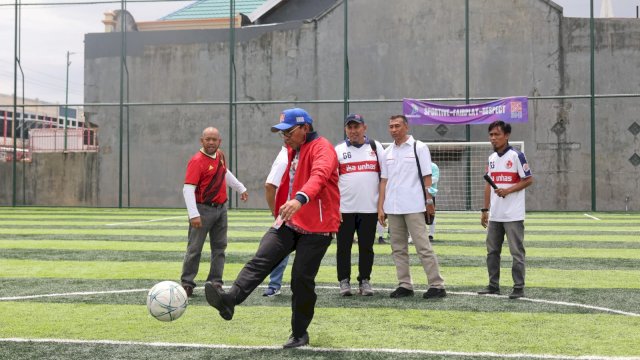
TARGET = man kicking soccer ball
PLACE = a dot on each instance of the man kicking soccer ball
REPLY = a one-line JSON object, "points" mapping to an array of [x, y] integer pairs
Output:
{"points": [[308, 200]]}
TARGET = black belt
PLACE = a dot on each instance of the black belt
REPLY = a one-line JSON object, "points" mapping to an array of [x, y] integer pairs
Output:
{"points": [[214, 205]]}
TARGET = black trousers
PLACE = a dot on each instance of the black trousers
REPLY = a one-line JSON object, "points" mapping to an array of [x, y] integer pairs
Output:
{"points": [[365, 226], [274, 246]]}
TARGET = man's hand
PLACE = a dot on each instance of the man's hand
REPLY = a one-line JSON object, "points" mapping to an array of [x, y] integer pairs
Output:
{"points": [[502, 192], [381, 217], [195, 222], [484, 219], [431, 209], [244, 196], [289, 209]]}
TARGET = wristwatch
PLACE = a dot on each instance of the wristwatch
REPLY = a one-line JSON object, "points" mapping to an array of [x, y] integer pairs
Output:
{"points": [[429, 201], [484, 210]]}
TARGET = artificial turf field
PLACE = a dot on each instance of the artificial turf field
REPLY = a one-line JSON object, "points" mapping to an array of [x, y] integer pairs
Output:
{"points": [[73, 283]]}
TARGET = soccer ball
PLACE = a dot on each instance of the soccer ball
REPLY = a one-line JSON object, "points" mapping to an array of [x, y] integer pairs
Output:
{"points": [[167, 301]]}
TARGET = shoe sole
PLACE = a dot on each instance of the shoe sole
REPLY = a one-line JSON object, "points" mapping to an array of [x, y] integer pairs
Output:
{"points": [[402, 296], [214, 299], [272, 295], [346, 294], [439, 296], [365, 294], [296, 346]]}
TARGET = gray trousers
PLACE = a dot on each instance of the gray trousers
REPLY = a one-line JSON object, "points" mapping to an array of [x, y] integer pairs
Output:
{"points": [[214, 223], [495, 238], [400, 227]]}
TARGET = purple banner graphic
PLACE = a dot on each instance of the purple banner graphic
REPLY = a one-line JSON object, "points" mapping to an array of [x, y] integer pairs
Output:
{"points": [[509, 110]]}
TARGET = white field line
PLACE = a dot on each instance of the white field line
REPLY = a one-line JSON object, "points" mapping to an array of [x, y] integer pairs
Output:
{"points": [[314, 349], [562, 303], [591, 216], [144, 221]]}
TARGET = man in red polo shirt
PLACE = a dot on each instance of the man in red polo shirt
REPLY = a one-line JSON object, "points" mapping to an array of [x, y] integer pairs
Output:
{"points": [[205, 192]]}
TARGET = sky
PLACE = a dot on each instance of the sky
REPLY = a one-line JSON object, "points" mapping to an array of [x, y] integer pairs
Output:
{"points": [[49, 31]]}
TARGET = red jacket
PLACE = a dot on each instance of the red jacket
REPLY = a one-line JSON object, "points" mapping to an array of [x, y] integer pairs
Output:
{"points": [[316, 177]]}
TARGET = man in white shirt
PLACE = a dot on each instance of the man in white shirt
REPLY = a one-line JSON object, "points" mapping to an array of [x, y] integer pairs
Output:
{"points": [[274, 178], [402, 199], [504, 209], [359, 171]]}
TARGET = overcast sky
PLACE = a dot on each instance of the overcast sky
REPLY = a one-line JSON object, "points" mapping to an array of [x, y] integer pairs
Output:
{"points": [[49, 31]]}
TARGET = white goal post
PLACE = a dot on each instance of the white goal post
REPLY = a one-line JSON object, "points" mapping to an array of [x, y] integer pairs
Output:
{"points": [[462, 165]]}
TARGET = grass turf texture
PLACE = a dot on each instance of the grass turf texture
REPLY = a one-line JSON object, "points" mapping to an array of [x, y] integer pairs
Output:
{"points": [[571, 258]]}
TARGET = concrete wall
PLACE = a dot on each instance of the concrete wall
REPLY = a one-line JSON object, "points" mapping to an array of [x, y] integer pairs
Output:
{"points": [[52, 179], [517, 47]]}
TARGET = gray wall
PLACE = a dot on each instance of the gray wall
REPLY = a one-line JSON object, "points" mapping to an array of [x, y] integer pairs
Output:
{"points": [[400, 49], [52, 180]]}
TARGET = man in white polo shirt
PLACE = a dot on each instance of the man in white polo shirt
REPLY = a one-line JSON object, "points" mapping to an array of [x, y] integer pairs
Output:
{"points": [[504, 208], [402, 200]]}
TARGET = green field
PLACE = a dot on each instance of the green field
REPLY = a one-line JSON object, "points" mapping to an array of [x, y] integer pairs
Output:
{"points": [[73, 285]]}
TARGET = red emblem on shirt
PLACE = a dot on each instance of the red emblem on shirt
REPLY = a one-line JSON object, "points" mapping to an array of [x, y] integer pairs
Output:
{"points": [[509, 164]]}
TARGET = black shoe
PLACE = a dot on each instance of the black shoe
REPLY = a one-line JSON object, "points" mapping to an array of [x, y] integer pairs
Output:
{"points": [[381, 240], [430, 238], [294, 342], [188, 289], [220, 300], [490, 290], [401, 292], [433, 293], [516, 293]]}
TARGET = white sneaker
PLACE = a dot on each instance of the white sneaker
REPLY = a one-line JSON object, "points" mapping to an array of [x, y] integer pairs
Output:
{"points": [[410, 240], [345, 288], [365, 288]]}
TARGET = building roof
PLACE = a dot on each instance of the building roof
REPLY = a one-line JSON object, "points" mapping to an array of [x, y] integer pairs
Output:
{"points": [[208, 9]]}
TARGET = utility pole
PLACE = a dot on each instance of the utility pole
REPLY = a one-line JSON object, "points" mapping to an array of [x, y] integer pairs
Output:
{"points": [[66, 102]]}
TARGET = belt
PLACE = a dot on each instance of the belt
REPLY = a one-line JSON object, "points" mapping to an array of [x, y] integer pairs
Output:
{"points": [[213, 205]]}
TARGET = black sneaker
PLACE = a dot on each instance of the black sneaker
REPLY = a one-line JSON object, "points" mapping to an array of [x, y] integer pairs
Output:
{"points": [[430, 238], [433, 293], [220, 300], [490, 290], [294, 342], [381, 240], [516, 293], [401, 292]]}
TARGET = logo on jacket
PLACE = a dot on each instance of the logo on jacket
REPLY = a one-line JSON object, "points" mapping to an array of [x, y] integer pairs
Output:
{"points": [[509, 164], [210, 167]]}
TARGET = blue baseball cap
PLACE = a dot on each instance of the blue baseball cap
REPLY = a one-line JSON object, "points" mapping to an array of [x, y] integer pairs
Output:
{"points": [[292, 117], [357, 118]]}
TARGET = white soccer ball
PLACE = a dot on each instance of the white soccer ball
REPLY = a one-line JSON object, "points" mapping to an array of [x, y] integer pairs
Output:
{"points": [[167, 301]]}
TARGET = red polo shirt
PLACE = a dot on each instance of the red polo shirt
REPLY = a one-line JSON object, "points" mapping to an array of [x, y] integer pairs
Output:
{"points": [[208, 173]]}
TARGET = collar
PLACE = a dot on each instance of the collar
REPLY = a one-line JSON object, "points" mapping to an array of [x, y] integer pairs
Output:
{"points": [[214, 156], [409, 142], [505, 150], [366, 141]]}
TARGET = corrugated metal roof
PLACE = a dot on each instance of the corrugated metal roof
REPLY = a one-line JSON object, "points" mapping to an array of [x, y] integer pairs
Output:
{"points": [[208, 9]]}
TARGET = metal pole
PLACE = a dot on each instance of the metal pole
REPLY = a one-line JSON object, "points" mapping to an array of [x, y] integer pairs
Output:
{"points": [[232, 78], [346, 60], [467, 128], [66, 102], [593, 112], [15, 104], [122, 53]]}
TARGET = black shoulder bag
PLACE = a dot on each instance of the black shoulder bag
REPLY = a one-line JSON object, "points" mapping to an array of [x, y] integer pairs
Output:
{"points": [[427, 217]]}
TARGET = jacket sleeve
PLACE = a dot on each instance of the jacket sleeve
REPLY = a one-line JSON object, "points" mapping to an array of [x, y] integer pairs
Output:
{"points": [[324, 163]]}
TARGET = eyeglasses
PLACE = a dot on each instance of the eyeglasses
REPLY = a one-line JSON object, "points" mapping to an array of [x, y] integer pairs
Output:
{"points": [[289, 132]]}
